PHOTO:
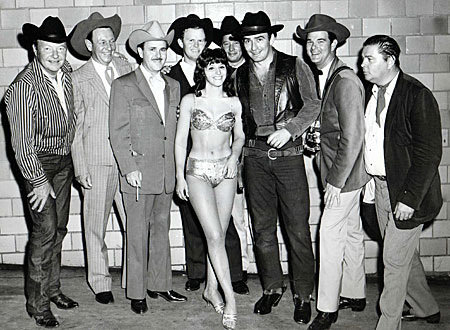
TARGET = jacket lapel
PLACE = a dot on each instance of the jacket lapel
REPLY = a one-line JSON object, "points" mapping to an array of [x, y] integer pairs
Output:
{"points": [[166, 99], [96, 82], [145, 89], [393, 104]]}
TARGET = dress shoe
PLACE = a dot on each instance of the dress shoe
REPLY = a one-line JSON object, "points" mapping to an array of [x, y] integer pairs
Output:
{"points": [[139, 306], [267, 301], [63, 302], [302, 311], [170, 296], [240, 287], [323, 321], [357, 305], [46, 319], [193, 284], [434, 318], [104, 297]]}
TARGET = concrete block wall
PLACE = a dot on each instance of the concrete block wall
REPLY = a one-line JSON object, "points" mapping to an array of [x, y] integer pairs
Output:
{"points": [[421, 28]]}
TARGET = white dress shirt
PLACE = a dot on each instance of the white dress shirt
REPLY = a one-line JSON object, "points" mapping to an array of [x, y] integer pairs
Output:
{"points": [[157, 85], [374, 137], [188, 70], [59, 88], [324, 77]]}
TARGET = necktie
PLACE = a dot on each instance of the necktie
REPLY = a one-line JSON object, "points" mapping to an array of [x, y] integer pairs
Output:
{"points": [[109, 74], [380, 102]]}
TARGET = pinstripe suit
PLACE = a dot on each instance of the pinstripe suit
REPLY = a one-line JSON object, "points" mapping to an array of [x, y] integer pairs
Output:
{"points": [[92, 154]]}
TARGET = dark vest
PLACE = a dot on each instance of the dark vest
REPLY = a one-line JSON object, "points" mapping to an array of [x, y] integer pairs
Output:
{"points": [[176, 72], [284, 76]]}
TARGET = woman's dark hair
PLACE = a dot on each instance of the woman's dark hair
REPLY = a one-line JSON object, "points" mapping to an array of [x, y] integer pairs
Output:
{"points": [[207, 57]]}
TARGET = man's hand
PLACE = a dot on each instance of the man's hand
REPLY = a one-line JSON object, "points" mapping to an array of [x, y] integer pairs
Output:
{"points": [[279, 138], [403, 212], [332, 194], [134, 178], [85, 181], [38, 196], [166, 69]]}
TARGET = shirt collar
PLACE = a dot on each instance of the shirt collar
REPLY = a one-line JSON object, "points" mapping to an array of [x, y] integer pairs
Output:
{"points": [[148, 75], [390, 87]]}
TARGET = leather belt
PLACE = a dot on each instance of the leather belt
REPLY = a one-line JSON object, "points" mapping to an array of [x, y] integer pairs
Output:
{"points": [[380, 177], [273, 153]]}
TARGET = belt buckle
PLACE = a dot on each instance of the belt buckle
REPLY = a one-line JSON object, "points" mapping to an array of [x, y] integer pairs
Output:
{"points": [[268, 153]]}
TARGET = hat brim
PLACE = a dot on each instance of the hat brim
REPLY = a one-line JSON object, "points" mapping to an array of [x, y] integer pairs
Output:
{"points": [[182, 23], [341, 32], [140, 36], [252, 30], [219, 34], [31, 32], [82, 29]]}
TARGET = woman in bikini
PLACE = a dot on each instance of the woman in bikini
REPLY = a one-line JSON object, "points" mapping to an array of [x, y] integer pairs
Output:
{"points": [[212, 116]]}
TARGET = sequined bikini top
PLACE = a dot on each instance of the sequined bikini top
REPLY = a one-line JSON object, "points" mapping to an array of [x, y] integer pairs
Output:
{"points": [[200, 120]]}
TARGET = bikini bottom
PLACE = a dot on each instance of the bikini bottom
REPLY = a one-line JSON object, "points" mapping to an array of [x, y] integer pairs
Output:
{"points": [[208, 170]]}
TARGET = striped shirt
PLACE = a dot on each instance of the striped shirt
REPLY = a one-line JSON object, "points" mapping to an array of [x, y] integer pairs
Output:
{"points": [[39, 125]]}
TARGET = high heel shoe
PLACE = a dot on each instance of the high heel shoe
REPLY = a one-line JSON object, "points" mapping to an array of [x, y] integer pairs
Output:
{"points": [[218, 308], [229, 321]]}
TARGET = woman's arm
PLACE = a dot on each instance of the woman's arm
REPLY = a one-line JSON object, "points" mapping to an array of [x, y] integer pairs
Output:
{"points": [[181, 138], [238, 141]]}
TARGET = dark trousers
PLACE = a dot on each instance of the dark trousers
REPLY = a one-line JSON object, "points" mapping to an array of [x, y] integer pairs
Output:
{"points": [[195, 245], [48, 229], [274, 185]]}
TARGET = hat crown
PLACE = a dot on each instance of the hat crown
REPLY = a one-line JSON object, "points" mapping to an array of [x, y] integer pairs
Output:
{"points": [[256, 19], [51, 30], [154, 29], [96, 16], [318, 20], [230, 24]]}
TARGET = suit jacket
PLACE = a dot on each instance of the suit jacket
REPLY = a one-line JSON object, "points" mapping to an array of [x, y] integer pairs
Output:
{"points": [[176, 72], [91, 144], [413, 150], [139, 139], [342, 131]]}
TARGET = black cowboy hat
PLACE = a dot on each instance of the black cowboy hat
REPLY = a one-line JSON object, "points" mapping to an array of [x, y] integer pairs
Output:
{"points": [[190, 21], [51, 30], [255, 23], [94, 21], [230, 25], [320, 22]]}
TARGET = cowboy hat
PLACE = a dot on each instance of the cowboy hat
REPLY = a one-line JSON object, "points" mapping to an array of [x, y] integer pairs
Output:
{"points": [[320, 22], [190, 21], [151, 31], [230, 25], [51, 29], [255, 23], [94, 21]]}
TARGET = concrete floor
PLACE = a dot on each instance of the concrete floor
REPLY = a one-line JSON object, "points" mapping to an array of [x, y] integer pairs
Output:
{"points": [[187, 316]]}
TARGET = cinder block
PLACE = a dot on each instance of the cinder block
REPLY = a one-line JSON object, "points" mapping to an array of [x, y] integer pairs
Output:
{"points": [[77, 241], [433, 247], [315, 197], [7, 4], [445, 191], [113, 240], [442, 44], [314, 215], [172, 1], [176, 238], [119, 2], [391, 8], [118, 258], [175, 220], [405, 26], [177, 256], [314, 229], [148, 2], [67, 242], [284, 46], [419, 7], [13, 225], [74, 224], [305, 9], [337, 9], [442, 264], [424, 78], [427, 263], [371, 249], [373, 26], [111, 260], [163, 14], [443, 170], [362, 8], [13, 258], [252, 269], [133, 14], [419, 45], [441, 81], [354, 25], [217, 11], [355, 45], [123, 36], [240, 8], [5, 207], [288, 30], [21, 242], [37, 16], [7, 244], [184, 10], [441, 7], [73, 258], [448, 245], [14, 18], [284, 267], [278, 10], [59, 3], [441, 228], [434, 63], [371, 265], [17, 207], [443, 212], [15, 57], [433, 25], [105, 11], [71, 16], [29, 3], [410, 63], [442, 100], [81, 3], [445, 156], [9, 38], [7, 75], [427, 232], [75, 205]]}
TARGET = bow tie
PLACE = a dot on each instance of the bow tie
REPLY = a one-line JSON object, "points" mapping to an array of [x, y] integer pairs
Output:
{"points": [[319, 72]]}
